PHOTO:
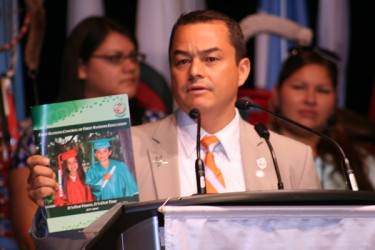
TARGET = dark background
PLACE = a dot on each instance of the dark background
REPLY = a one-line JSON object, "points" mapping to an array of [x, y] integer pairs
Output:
{"points": [[360, 71]]}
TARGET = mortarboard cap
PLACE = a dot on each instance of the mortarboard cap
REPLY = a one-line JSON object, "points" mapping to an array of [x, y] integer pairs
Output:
{"points": [[68, 154], [101, 143]]}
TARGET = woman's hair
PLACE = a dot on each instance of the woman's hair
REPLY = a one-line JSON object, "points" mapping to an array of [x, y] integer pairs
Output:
{"points": [[66, 174], [302, 56], [335, 127], [84, 39]]}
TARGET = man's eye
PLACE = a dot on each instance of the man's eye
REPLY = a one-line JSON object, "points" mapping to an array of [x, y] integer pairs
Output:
{"points": [[211, 59], [182, 61]]}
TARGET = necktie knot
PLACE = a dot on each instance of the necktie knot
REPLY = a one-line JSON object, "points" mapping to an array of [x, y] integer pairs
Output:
{"points": [[209, 142]]}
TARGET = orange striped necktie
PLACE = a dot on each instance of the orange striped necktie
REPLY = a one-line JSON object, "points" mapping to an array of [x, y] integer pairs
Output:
{"points": [[214, 178]]}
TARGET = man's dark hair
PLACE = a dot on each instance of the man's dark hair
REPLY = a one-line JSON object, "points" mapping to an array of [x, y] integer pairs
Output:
{"points": [[206, 16]]}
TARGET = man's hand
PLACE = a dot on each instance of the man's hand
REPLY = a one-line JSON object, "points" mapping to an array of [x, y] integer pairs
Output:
{"points": [[41, 181]]}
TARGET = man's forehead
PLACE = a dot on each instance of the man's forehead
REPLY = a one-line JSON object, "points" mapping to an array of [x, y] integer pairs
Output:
{"points": [[201, 36]]}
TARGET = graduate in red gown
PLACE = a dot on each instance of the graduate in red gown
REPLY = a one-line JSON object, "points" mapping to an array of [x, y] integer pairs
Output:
{"points": [[73, 189]]}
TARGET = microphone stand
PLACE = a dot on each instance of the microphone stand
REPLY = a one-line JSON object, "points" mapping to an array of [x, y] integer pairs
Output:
{"points": [[264, 133], [199, 165], [347, 170]]}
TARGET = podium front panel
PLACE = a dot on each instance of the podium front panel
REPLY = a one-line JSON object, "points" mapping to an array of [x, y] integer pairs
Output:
{"points": [[271, 227], [144, 235]]}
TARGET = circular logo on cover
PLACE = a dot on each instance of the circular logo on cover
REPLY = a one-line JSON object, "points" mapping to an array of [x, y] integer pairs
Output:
{"points": [[119, 108]]}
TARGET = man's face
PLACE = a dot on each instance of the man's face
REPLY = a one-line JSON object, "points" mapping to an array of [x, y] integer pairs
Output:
{"points": [[204, 71]]}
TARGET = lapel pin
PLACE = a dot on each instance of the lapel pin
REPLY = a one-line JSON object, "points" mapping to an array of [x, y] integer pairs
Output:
{"points": [[262, 163], [158, 161], [259, 173]]}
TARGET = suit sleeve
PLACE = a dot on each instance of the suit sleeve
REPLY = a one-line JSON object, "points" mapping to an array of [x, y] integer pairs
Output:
{"points": [[64, 240], [309, 177]]}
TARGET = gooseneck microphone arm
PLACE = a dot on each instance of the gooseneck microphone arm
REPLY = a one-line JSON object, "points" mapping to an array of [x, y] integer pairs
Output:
{"points": [[199, 165], [245, 104], [264, 133]]}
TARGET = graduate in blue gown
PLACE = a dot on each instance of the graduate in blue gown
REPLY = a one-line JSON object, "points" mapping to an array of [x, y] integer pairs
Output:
{"points": [[109, 178]]}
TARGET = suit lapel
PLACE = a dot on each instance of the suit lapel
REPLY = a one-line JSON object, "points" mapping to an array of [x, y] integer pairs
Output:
{"points": [[257, 162], [163, 158]]}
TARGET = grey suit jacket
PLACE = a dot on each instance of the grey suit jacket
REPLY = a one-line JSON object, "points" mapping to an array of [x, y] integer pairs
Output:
{"points": [[156, 160]]}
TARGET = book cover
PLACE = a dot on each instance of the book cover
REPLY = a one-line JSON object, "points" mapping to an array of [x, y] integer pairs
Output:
{"points": [[89, 145]]}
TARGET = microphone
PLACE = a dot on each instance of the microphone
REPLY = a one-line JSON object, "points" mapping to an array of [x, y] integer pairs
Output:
{"points": [[199, 165], [264, 133], [245, 104]]}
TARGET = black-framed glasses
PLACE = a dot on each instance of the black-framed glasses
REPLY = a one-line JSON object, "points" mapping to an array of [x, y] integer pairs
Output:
{"points": [[119, 58], [327, 54]]}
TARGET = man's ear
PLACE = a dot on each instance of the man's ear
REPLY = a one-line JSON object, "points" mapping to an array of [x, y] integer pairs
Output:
{"points": [[244, 67]]}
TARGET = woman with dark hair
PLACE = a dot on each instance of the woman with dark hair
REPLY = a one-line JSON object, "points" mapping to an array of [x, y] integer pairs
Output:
{"points": [[306, 93], [101, 58]]}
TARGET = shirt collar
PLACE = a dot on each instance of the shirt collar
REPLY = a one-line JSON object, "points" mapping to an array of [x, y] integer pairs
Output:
{"points": [[229, 136]]}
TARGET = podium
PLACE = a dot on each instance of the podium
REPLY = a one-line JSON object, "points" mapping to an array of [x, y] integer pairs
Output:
{"points": [[321, 219]]}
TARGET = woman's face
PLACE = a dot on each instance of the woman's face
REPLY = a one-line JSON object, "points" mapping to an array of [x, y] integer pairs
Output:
{"points": [[72, 165], [107, 72], [308, 96]]}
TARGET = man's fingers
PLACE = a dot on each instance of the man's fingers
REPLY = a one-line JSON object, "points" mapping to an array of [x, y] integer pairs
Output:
{"points": [[41, 184], [38, 195], [37, 160], [40, 171]]}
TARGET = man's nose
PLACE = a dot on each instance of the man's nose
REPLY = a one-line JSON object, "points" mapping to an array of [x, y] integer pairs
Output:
{"points": [[197, 69]]}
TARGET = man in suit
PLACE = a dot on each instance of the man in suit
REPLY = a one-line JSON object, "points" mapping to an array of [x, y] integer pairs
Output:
{"points": [[208, 63]]}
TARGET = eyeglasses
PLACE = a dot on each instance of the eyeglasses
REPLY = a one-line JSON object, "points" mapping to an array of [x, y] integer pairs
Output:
{"points": [[327, 54], [119, 58]]}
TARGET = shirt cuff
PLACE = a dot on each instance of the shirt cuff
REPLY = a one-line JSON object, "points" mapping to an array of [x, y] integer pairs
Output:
{"points": [[39, 227]]}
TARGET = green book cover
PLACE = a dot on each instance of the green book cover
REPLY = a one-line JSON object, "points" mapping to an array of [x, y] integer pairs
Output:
{"points": [[89, 145]]}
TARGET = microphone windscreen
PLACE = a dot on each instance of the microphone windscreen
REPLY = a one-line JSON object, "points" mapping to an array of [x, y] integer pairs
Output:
{"points": [[262, 130], [194, 113], [243, 104]]}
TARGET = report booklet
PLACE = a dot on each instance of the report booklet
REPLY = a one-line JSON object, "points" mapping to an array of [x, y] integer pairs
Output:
{"points": [[90, 149]]}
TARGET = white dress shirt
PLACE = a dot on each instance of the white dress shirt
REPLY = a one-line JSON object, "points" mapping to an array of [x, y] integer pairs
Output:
{"points": [[227, 154]]}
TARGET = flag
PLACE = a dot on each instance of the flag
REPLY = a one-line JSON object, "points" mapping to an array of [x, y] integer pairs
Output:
{"points": [[11, 56], [18, 87], [333, 34], [271, 50], [80, 9], [154, 22], [8, 45]]}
